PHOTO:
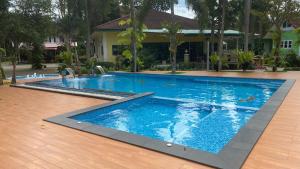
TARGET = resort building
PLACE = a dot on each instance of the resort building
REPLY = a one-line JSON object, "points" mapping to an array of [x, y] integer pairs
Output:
{"points": [[194, 45], [53, 45], [289, 38]]}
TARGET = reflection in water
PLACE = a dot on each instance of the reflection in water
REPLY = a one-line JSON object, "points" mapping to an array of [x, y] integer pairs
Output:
{"points": [[181, 126], [121, 121]]}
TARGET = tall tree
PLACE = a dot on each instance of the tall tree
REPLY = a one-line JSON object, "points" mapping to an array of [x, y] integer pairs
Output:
{"points": [[98, 12], [222, 4], [138, 10], [281, 11], [2, 73], [173, 45], [247, 23], [27, 24]]}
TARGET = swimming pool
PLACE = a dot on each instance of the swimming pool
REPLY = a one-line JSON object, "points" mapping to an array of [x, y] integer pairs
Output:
{"points": [[197, 113], [211, 90]]}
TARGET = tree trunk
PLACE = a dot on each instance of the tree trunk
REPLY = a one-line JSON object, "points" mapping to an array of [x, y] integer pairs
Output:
{"points": [[133, 35], [2, 73], [247, 23], [13, 77], [277, 48], [1, 78], [221, 35], [212, 37], [14, 62], [173, 39], [88, 37], [77, 62], [67, 42]]}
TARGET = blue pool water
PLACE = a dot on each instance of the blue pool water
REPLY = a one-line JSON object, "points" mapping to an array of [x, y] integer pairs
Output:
{"points": [[203, 113]]}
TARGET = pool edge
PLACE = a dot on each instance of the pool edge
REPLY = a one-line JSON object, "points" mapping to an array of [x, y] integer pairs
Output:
{"points": [[232, 156]]}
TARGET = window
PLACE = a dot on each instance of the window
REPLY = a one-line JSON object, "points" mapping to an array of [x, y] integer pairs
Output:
{"points": [[118, 49], [49, 39], [290, 44], [286, 25], [54, 39], [286, 44]]}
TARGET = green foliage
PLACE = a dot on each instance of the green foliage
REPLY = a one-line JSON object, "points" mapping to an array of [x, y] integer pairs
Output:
{"points": [[84, 70], [2, 73], [292, 59], [172, 30], [67, 58], [61, 67], [224, 62], [281, 61], [36, 62], [122, 63], [245, 59], [125, 38], [2, 52], [190, 66], [149, 57], [36, 58], [214, 59]]}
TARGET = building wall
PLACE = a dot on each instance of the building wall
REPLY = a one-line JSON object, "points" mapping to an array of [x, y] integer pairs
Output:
{"points": [[290, 35], [110, 38], [287, 34]]}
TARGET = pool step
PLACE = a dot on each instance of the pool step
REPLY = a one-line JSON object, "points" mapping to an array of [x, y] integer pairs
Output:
{"points": [[207, 103], [71, 91]]}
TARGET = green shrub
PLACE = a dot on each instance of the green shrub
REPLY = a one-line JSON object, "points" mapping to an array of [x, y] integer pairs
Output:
{"points": [[214, 59], [161, 68], [280, 63], [245, 59], [292, 60], [67, 58], [61, 67], [84, 70], [36, 62], [190, 66]]}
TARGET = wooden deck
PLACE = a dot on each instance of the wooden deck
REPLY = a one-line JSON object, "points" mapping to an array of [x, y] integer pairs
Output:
{"points": [[28, 142]]}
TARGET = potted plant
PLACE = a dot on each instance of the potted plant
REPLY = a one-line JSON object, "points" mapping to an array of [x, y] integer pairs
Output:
{"points": [[214, 61], [245, 59], [281, 64]]}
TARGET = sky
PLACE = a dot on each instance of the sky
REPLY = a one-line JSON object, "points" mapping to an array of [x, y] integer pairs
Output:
{"points": [[182, 10]]}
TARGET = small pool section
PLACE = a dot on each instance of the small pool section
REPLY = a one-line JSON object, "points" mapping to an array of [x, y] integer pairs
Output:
{"points": [[202, 113], [195, 125]]}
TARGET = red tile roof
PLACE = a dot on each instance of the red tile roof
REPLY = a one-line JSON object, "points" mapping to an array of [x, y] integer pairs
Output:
{"points": [[295, 23], [153, 20]]}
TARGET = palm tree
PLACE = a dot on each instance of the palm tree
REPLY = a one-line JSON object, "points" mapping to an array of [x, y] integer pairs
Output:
{"points": [[281, 11], [173, 45], [222, 4], [2, 74], [247, 23], [133, 34], [137, 17]]}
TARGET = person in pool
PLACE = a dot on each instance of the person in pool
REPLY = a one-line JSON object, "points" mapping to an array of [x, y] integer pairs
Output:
{"points": [[249, 99]]}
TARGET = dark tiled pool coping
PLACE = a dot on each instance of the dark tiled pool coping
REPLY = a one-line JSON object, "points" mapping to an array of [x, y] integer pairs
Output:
{"points": [[100, 94], [232, 156]]}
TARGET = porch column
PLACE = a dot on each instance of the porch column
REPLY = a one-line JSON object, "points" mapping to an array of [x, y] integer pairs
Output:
{"points": [[237, 43], [105, 47], [207, 55]]}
